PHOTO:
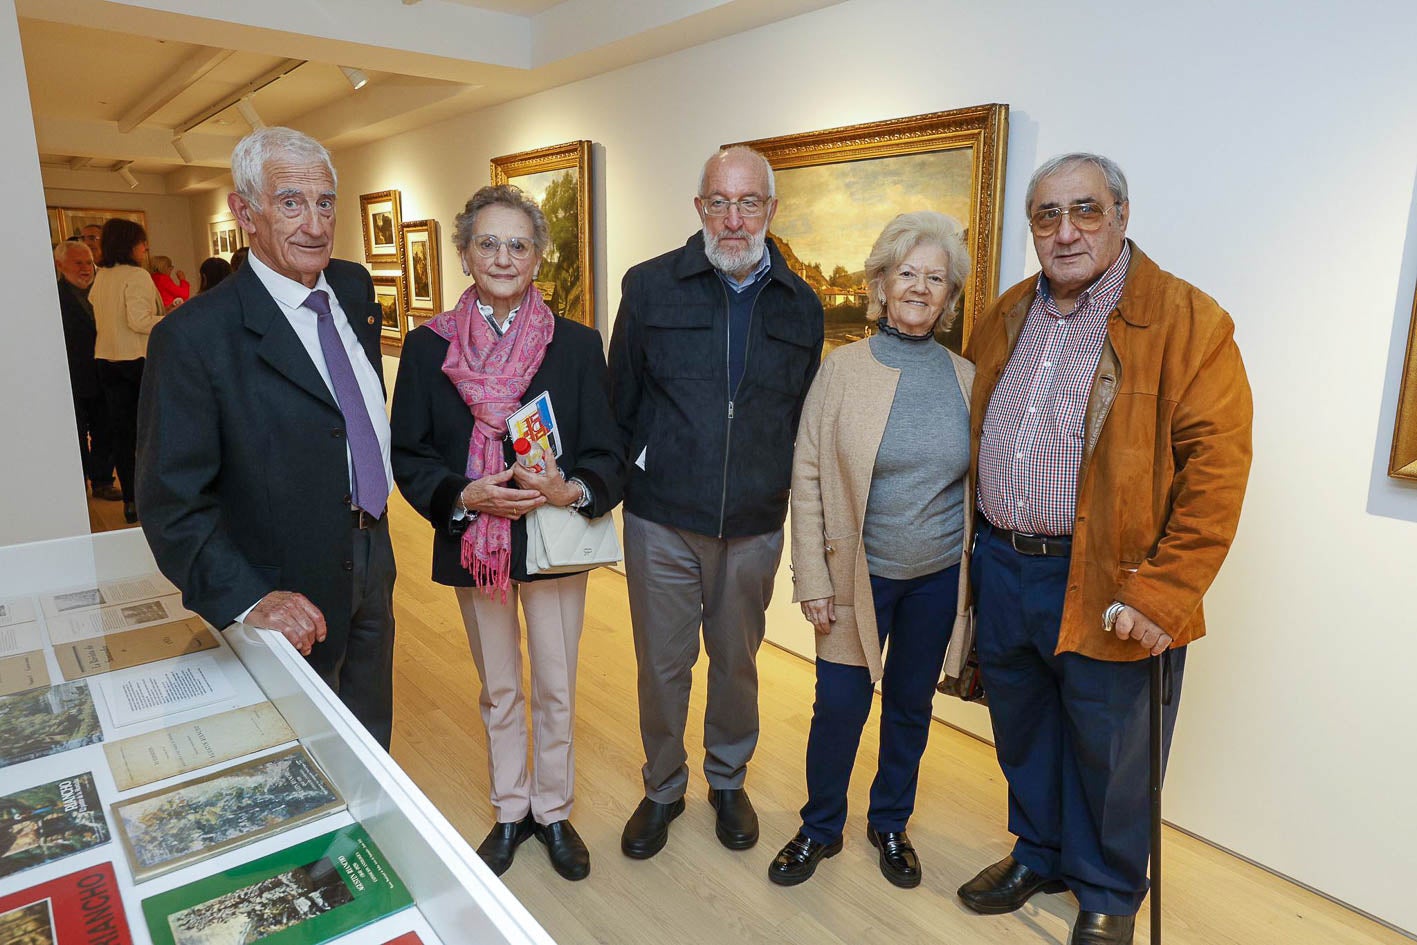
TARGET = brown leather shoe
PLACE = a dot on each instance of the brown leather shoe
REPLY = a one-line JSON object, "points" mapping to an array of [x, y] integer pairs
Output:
{"points": [[501, 844], [1094, 928], [1006, 886]]}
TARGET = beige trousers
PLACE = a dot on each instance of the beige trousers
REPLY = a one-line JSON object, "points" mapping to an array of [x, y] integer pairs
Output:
{"points": [[555, 613]]}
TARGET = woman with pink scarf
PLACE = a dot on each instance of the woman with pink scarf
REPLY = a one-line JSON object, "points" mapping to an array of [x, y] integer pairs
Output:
{"points": [[460, 377]]}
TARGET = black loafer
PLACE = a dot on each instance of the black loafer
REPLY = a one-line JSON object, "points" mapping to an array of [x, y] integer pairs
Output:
{"points": [[899, 864], [737, 822], [108, 493], [1094, 928], [1006, 886], [567, 850], [130, 513], [797, 861], [501, 844], [647, 830]]}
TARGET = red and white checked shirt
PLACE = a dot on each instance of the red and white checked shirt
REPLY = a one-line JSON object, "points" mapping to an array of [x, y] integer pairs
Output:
{"points": [[1031, 445]]}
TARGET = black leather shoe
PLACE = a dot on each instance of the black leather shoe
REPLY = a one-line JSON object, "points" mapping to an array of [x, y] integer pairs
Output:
{"points": [[737, 822], [566, 848], [797, 861], [1006, 886], [108, 492], [899, 864], [501, 844], [1094, 928], [130, 513], [647, 830]]}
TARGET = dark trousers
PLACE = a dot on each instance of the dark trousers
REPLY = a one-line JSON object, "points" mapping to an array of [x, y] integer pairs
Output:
{"points": [[121, 381], [1072, 733], [359, 664], [95, 439], [916, 617]]}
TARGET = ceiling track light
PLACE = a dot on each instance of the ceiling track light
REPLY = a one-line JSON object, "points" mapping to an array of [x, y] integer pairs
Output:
{"points": [[248, 112], [356, 77], [180, 146], [128, 178]]}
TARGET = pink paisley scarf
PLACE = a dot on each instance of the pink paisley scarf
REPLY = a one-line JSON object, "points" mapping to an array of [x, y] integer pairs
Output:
{"points": [[491, 374]]}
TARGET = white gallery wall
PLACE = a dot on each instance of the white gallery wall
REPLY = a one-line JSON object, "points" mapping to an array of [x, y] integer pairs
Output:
{"points": [[1272, 156], [169, 219]]}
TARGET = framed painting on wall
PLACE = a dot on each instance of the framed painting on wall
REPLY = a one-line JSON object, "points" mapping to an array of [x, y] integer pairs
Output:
{"points": [[225, 237], [421, 265], [381, 215], [388, 292], [838, 188], [73, 219], [558, 179], [1403, 463]]}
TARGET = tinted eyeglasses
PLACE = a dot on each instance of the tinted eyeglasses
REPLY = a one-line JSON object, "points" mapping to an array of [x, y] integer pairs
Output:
{"points": [[1087, 217]]}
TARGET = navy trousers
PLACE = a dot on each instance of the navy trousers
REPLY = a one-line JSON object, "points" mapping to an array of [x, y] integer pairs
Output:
{"points": [[1072, 733], [916, 617]]}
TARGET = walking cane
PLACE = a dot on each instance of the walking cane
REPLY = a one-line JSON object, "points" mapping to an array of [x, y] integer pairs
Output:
{"points": [[1160, 695]]}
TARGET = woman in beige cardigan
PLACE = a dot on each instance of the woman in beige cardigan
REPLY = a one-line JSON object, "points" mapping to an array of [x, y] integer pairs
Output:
{"points": [[880, 519], [126, 306]]}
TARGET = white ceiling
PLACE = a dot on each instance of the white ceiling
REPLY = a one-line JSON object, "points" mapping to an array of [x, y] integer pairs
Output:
{"points": [[90, 64]]}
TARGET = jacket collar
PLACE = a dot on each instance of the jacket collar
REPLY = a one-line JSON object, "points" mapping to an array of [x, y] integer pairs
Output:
{"points": [[693, 261], [1142, 278]]}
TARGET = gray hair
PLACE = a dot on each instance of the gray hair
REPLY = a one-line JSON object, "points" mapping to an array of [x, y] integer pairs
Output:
{"points": [[260, 147], [900, 238], [500, 195], [1116, 180], [736, 149], [61, 252]]}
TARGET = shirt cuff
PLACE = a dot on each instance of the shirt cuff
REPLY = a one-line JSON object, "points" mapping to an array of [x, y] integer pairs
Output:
{"points": [[241, 617]]}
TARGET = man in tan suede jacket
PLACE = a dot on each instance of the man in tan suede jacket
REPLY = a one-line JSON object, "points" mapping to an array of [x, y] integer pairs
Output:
{"points": [[1111, 446]]}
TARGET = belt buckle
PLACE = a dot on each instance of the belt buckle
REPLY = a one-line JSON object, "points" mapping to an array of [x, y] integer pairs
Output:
{"points": [[363, 520]]}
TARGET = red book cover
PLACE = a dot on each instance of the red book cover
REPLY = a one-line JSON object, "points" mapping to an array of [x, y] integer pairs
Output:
{"points": [[407, 938], [83, 908]]}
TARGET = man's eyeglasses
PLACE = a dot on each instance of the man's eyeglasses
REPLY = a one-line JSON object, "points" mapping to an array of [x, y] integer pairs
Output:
{"points": [[487, 246], [747, 206], [1087, 217]]}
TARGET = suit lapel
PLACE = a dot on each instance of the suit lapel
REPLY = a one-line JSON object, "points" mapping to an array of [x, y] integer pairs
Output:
{"points": [[279, 346]]}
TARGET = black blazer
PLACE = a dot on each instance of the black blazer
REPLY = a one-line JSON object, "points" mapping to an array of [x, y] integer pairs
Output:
{"points": [[243, 478], [80, 333], [432, 428]]}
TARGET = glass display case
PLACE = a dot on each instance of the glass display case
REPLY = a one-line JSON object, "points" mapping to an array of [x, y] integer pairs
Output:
{"points": [[203, 768]]}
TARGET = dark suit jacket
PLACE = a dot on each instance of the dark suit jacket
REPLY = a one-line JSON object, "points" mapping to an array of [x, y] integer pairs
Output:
{"points": [[432, 427], [243, 479], [80, 333]]}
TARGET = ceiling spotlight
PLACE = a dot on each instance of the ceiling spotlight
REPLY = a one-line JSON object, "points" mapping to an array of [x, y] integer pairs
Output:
{"points": [[248, 112], [128, 178], [356, 77], [180, 146]]}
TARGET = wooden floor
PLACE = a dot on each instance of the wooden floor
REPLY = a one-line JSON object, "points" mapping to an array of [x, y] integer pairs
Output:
{"points": [[695, 892]]}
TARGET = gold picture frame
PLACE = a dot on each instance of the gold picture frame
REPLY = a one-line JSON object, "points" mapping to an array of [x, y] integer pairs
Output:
{"points": [[381, 213], [420, 261], [1403, 462], [393, 322], [559, 179], [70, 220], [839, 187]]}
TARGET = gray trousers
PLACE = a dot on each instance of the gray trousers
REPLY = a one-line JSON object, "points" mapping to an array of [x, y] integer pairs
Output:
{"points": [[680, 582]]}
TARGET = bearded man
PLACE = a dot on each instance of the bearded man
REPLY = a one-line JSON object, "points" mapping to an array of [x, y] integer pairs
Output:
{"points": [[713, 350]]}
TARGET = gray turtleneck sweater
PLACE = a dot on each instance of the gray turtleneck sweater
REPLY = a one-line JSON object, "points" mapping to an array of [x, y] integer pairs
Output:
{"points": [[915, 514]]}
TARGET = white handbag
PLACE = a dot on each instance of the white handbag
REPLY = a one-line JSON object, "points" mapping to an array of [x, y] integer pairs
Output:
{"points": [[563, 541]]}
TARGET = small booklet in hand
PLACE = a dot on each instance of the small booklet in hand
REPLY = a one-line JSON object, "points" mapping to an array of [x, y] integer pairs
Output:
{"points": [[533, 431]]}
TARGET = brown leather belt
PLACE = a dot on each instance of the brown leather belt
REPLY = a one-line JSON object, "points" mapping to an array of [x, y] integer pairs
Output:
{"points": [[1051, 546]]}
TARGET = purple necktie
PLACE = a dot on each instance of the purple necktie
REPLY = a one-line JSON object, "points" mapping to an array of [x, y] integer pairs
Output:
{"points": [[371, 486]]}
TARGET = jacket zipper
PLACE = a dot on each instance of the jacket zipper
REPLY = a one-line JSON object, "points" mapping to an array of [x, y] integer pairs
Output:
{"points": [[732, 394]]}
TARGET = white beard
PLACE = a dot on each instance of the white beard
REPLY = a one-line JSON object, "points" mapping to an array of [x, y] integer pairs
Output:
{"points": [[731, 261]]}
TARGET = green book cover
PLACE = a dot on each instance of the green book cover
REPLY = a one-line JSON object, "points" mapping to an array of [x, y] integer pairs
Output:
{"points": [[303, 895]]}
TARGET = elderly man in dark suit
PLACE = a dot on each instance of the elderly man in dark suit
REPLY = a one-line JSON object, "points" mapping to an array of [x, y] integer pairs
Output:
{"points": [[263, 442], [75, 264]]}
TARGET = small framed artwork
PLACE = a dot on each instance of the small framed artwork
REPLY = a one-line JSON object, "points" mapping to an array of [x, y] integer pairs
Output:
{"points": [[381, 218], [838, 188], [558, 179], [388, 292], [1403, 463], [421, 265], [225, 237], [56, 228]]}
